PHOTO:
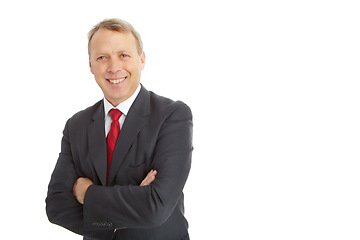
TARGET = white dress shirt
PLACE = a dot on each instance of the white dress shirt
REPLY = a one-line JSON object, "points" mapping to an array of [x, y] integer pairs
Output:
{"points": [[124, 107]]}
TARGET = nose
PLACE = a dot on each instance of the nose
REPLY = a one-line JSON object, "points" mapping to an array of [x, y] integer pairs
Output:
{"points": [[114, 66]]}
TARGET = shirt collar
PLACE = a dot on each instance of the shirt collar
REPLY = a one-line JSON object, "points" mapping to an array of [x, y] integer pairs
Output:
{"points": [[124, 107]]}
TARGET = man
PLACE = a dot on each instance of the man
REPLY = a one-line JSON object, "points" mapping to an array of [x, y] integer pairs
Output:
{"points": [[124, 161]]}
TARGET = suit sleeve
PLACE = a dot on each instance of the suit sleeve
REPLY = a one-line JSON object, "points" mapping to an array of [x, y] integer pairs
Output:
{"points": [[148, 206], [62, 208]]}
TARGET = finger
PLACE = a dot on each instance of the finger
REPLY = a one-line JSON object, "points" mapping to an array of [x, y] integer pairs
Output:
{"points": [[147, 179], [150, 177]]}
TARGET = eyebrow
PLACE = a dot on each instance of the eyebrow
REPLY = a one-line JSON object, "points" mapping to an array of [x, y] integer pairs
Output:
{"points": [[118, 52]]}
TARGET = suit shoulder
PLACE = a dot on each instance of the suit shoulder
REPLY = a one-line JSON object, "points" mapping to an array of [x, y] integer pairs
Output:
{"points": [[85, 115], [165, 105]]}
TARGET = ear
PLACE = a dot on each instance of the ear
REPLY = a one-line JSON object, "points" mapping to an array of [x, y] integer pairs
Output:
{"points": [[142, 60], [91, 69]]}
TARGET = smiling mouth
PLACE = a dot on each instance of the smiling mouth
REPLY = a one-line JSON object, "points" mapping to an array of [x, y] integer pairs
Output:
{"points": [[116, 81]]}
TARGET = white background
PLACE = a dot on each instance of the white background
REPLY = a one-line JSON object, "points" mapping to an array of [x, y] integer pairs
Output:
{"points": [[274, 90]]}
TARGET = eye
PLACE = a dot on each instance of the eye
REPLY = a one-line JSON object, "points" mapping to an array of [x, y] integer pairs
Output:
{"points": [[124, 55], [101, 58]]}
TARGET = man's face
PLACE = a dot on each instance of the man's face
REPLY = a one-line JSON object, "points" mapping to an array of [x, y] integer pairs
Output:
{"points": [[116, 64]]}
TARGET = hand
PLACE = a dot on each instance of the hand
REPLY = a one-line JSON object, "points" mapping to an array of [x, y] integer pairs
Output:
{"points": [[80, 187], [150, 177]]}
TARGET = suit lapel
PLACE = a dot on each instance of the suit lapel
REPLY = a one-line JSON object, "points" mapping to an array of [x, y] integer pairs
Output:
{"points": [[97, 143], [135, 120]]}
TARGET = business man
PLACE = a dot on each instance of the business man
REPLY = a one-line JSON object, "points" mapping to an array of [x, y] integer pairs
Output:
{"points": [[124, 161]]}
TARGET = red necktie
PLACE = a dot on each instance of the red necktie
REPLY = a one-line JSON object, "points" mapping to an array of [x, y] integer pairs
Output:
{"points": [[112, 136]]}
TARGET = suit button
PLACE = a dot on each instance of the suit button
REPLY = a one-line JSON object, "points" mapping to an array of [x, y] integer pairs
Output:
{"points": [[102, 224], [108, 224]]}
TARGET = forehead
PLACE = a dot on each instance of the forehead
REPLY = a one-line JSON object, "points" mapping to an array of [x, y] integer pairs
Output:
{"points": [[110, 40]]}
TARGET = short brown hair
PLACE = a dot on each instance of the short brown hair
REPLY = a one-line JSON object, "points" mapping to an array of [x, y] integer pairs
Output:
{"points": [[118, 25]]}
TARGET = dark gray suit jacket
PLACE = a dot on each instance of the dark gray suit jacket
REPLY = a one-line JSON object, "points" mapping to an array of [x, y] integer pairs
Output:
{"points": [[157, 134]]}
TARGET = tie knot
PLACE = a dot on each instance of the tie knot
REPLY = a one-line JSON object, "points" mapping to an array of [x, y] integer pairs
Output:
{"points": [[115, 114]]}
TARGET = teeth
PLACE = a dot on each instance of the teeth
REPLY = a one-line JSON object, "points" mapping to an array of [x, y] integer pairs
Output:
{"points": [[117, 80]]}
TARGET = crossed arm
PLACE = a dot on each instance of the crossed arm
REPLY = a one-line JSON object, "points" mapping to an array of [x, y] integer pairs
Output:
{"points": [[82, 184], [78, 206]]}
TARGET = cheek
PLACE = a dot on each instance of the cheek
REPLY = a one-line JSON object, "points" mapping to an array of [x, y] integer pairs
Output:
{"points": [[97, 70], [134, 68]]}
